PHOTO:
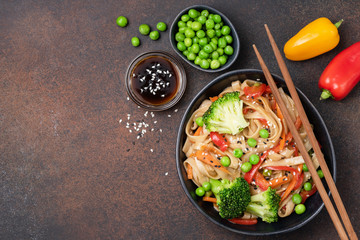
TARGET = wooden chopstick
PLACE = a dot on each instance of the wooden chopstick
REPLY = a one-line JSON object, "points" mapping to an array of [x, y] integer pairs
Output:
{"points": [[337, 199], [302, 148]]}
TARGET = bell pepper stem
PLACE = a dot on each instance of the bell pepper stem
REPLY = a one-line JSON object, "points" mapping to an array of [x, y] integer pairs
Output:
{"points": [[325, 94], [337, 25]]}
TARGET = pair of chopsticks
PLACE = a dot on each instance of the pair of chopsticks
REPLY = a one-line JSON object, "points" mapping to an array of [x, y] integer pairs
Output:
{"points": [[336, 197]]}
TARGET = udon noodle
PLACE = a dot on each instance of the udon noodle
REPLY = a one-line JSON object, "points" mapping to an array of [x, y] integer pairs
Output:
{"points": [[260, 113]]}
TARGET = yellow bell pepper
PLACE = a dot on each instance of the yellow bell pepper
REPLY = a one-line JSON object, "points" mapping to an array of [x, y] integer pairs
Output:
{"points": [[314, 39]]}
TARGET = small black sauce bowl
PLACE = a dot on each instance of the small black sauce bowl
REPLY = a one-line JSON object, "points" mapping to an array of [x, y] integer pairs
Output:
{"points": [[235, 44], [180, 71], [313, 204]]}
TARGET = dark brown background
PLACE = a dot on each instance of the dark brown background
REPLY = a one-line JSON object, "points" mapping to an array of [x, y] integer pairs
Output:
{"points": [[70, 170]]}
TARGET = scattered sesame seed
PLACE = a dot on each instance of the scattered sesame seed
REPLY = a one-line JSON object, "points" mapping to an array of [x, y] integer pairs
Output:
{"points": [[151, 150], [120, 120], [127, 98], [176, 110], [160, 130], [169, 115], [166, 173]]}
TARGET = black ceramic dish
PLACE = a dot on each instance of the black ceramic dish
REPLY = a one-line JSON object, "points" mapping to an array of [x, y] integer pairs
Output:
{"points": [[235, 44], [314, 204]]}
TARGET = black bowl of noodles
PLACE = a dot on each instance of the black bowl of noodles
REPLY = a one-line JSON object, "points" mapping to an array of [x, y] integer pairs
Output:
{"points": [[313, 204]]}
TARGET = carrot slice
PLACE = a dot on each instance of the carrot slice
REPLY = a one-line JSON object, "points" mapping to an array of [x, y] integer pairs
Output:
{"points": [[189, 172], [207, 158], [213, 99], [276, 182], [261, 181], [209, 199], [198, 131]]}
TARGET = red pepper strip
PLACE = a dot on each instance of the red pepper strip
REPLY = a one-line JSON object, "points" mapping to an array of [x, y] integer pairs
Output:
{"points": [[268, 89], [219, 140], [293, 181], [301, 177], [261, 181], [241, 221], [263, 121], [255, 91], [250, 175], [342, 73], [305, 194]]}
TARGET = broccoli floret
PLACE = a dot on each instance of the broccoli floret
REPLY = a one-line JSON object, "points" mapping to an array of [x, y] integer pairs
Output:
{"points": [[265, 205], [232, 197], [225, 115]]}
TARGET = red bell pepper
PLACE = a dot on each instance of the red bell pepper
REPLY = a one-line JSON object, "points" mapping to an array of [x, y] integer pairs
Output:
{"points": [[342, 74], [255, 91], [241, 221], [250, 174], [305, 194], [261, 181], [219, 140]]}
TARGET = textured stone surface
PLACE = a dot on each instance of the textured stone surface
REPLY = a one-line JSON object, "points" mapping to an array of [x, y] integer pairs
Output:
{"points": [[70, 170]]}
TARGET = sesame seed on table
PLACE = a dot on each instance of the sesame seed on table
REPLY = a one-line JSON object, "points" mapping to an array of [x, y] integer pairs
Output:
{"points": [[80, 160]]}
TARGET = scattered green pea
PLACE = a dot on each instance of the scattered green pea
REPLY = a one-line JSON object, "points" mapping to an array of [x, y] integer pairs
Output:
{"points": [[135, 41], [206, 186], [246, 167], [264, 133], [161, 26], [225, 161], [305, 168], [254, 159], [144, 29], [199, 121], [320, 173], [252, 142], [300, 209], [307, 186], [267, 172], [154, 35], [238, 153], [200, 191], [121, 21], [296, 198]]}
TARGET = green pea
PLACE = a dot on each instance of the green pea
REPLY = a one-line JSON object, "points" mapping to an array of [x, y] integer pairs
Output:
{"points": [[225, 30], [305, 168], [195, 40], [254, 159], [252, 142], [207, 48], [154, 35], [217, 18], [238, 153], [202, 19], [193, 13], [214, 40], [217, 26], [186, 52], [196, 26], [161, 26], [228, 39], [222, 43], [197, 60], [206, 186], [307, 186], [185, 18], [195, 48], [204, 64], [188, 42], [121, 21], [189, 33], [205, 13], [135, 41], [222, 60], [144, 29], [296, 198], [182, 29], [209, 24], [211, 16], [267, 172], [181, 46], [213, 45], [215, 64], [320, 173], [203, 54], [200, 34], [264, 133], [246, 167], [200, 191], [209, 60], [210, 33], [300, 209], [225, 161], [199, 121], [218, 32], [203, 41], [220, 51], [181, 24], [228, 50], [179, 37], [191, 56], [189, 24], [215, 55]]}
